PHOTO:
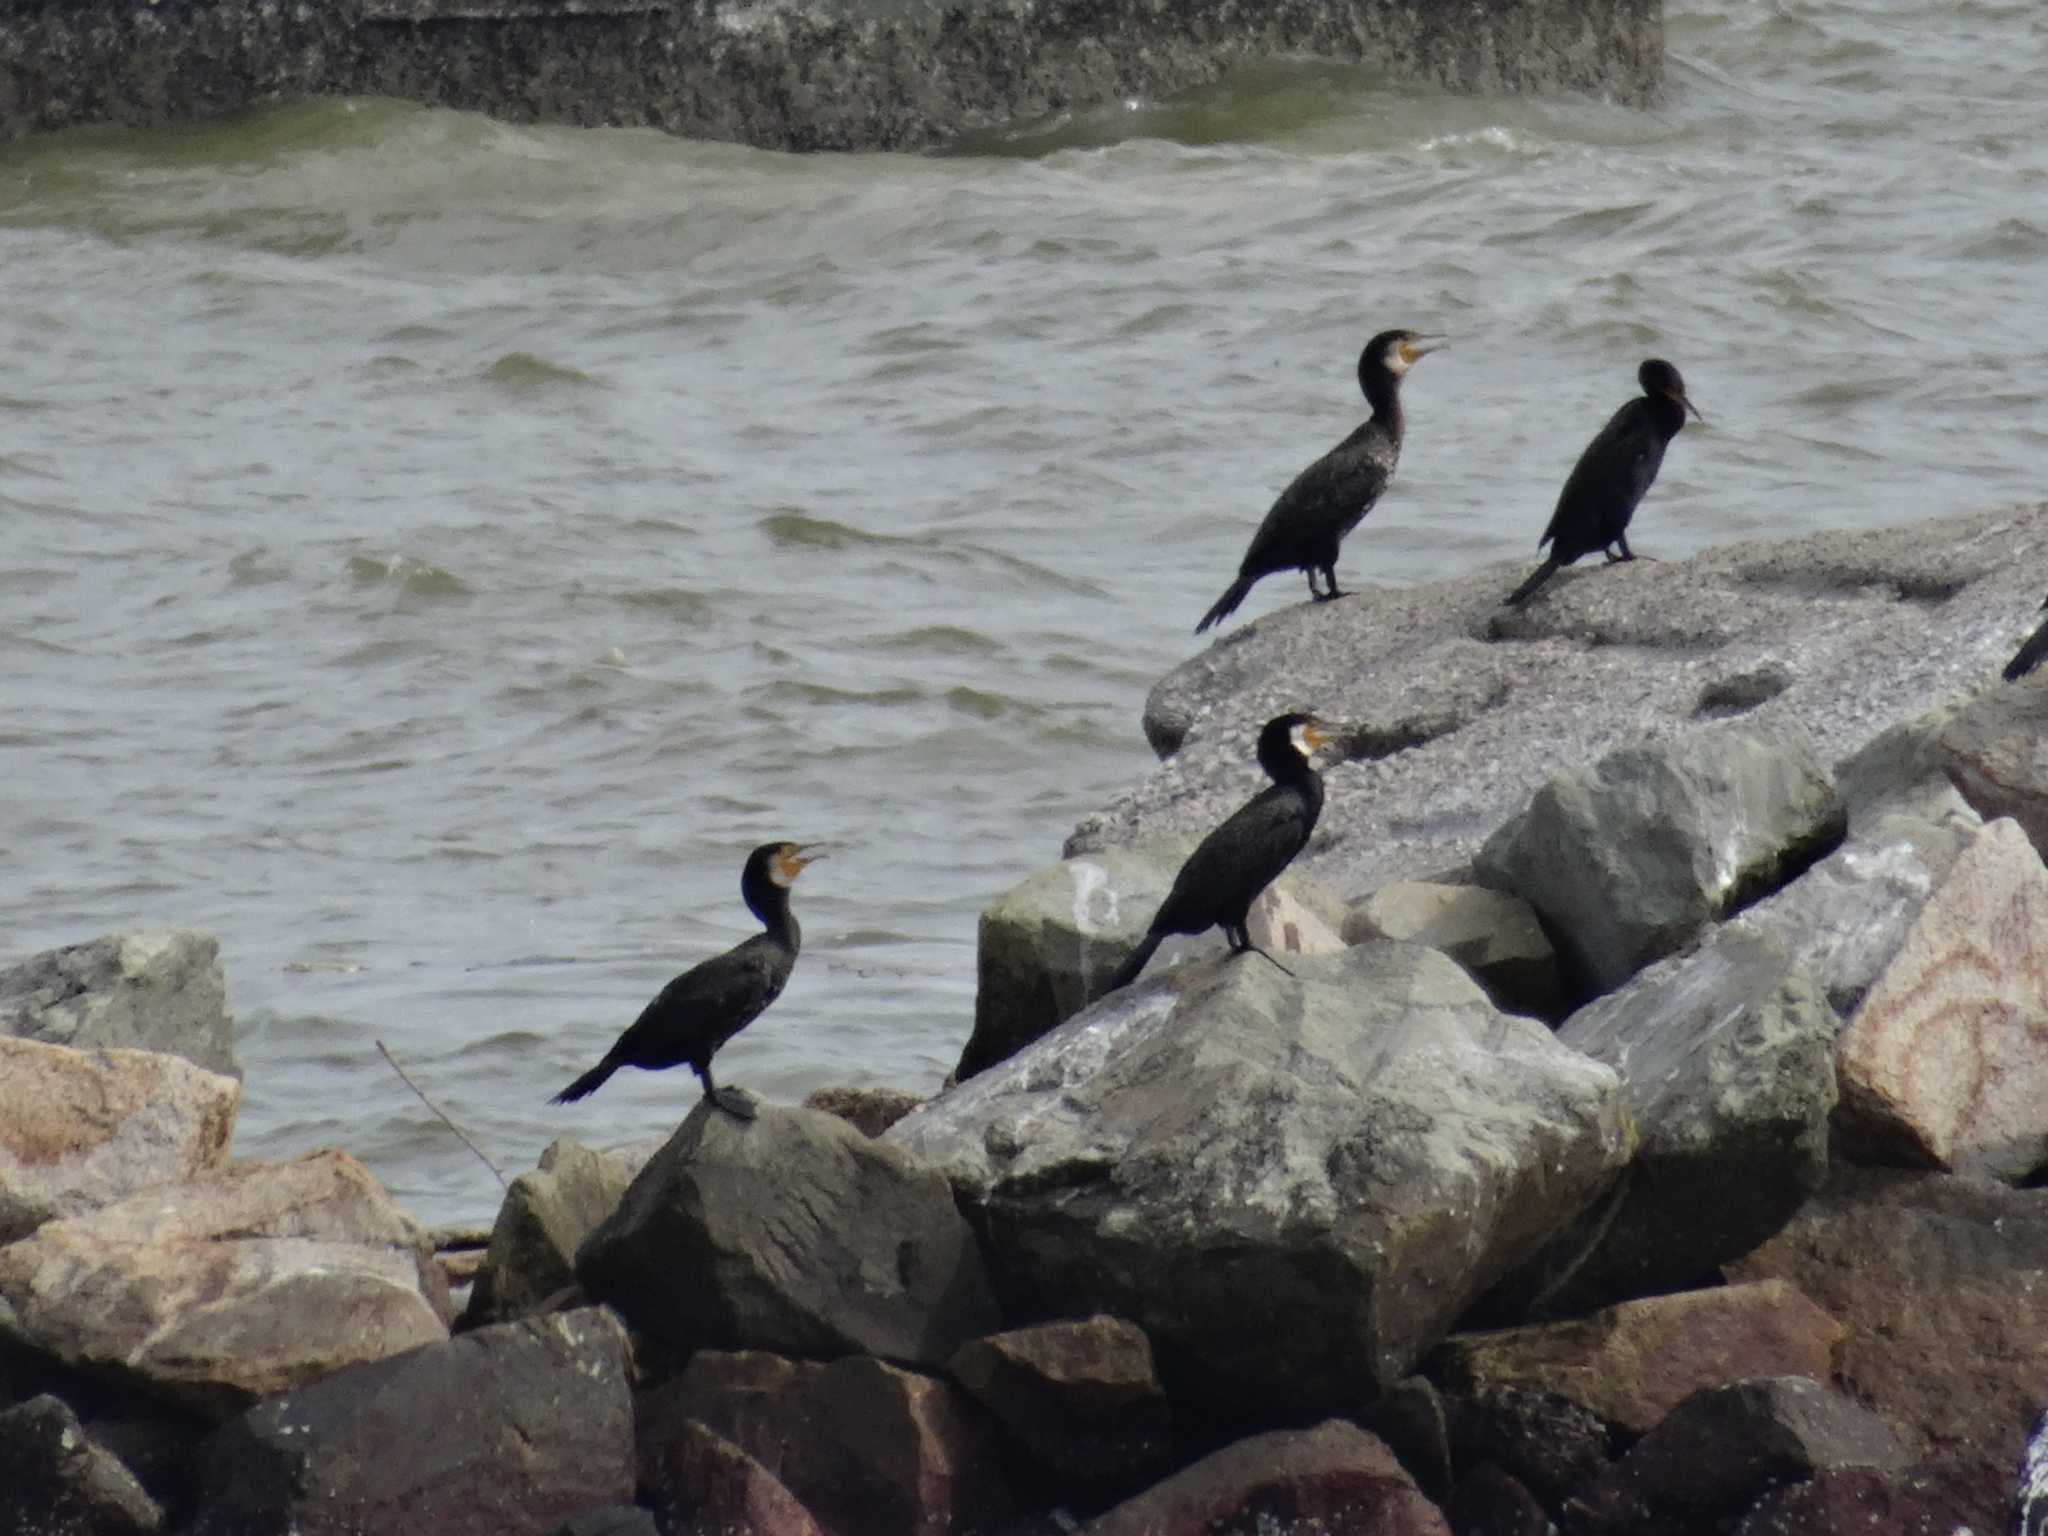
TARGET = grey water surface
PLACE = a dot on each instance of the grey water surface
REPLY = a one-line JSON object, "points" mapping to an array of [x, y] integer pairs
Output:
{"points": [[435, 551]]}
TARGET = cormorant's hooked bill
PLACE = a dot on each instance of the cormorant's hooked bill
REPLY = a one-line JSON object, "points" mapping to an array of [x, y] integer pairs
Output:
{"points": [[708, 1004], [1234, 863], [1602, 492], [1327, 500]]}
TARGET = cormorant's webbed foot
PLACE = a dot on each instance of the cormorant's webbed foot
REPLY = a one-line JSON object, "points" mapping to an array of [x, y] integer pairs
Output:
{"points": [[1330, 581]]}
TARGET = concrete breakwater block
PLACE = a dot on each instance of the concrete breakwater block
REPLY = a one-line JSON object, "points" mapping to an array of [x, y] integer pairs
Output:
{"points": [[789, 74]]}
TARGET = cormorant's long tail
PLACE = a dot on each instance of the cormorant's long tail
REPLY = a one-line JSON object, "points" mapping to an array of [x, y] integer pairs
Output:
{"points": [[1227, 603], [2030, 654], [1128, 971], [1543, 573], [587, 1084]]}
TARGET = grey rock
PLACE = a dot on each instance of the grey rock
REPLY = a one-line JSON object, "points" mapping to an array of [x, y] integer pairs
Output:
{"points": [[1995, 750], [1455, 712], [501, 1432], [706, 1485], [81, 1129], [154, 990], [1843, 920], [546, 1214], [1629, 859], [1900, 771], [1293, 1184], [1859, 1501], [792, 1232], [2033, 1489], [56, 1480], [1493, 935], [229, 1287], [796, 74], [1047, 946], [1723, 1446], [1727, 1066]]}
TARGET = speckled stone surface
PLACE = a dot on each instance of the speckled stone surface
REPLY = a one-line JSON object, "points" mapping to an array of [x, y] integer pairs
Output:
{"points": [[1451, 709], [785, 74]]}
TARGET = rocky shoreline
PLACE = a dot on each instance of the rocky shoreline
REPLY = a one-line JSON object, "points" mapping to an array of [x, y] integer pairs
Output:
{"points": [[1671, 1162], [785, 74]]}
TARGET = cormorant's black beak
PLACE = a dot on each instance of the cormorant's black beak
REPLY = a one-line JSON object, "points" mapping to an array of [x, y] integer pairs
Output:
{"points": [[1422, 346]]}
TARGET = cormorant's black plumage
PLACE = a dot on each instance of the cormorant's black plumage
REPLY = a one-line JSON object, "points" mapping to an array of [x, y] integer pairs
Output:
{"points": [[2030, 654], [1225, 874], [708, 1004], [1612, 476], [1328, 499]]}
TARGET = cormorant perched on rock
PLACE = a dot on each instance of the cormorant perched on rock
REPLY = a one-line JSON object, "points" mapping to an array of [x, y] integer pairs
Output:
{"points": [[1612, 475], [1224, 876], [1327, 500], [2030, 654], [708, 1004]]}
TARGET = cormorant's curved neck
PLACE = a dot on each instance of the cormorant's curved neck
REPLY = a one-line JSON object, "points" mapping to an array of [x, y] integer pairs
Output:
{"points": [[1382, 388], [770, 903], [1283, 764]]}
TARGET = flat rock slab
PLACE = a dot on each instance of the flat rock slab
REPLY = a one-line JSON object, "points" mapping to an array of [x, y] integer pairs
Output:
{"points": [[1727, 1062], [1867, 628], [870, 1450], [1937, 1279], [501, 1432], [80, 1129], [1633, 1363], [154, 990], [1946, 1059], [1334, 1477], [1294, 1184], [1723, 1447], [1631, 857], [791, 1232], [230, 1287]]}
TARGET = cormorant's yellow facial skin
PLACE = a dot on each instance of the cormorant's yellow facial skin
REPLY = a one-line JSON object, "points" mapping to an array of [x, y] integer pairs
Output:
{"points": [[1310, 737], [789, 862], [1412, 349]]}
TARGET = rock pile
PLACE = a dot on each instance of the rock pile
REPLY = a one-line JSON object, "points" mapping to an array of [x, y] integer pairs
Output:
{"points": [[1671, 1162]]}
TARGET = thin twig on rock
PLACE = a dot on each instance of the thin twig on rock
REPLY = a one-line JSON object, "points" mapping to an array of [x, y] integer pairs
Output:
{"points": [[440, 1113]]}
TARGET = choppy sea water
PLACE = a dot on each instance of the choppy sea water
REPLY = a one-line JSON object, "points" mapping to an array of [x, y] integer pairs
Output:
{"points": [[436, 550]]}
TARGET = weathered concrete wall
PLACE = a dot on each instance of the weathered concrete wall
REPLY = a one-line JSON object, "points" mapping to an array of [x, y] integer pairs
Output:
{"points": [[794, 74]]}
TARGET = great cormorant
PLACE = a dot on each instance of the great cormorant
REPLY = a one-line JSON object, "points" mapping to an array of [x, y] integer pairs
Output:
{"points": [[1327, 500], [708, 1004], [1225, 874], [1612, 475]]}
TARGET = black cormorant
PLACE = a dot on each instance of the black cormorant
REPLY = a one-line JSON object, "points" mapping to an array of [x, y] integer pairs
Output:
{"points": [[2030, 654], [1223, 877], [708, 1004], [1327, 500], [1612, 475]]}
